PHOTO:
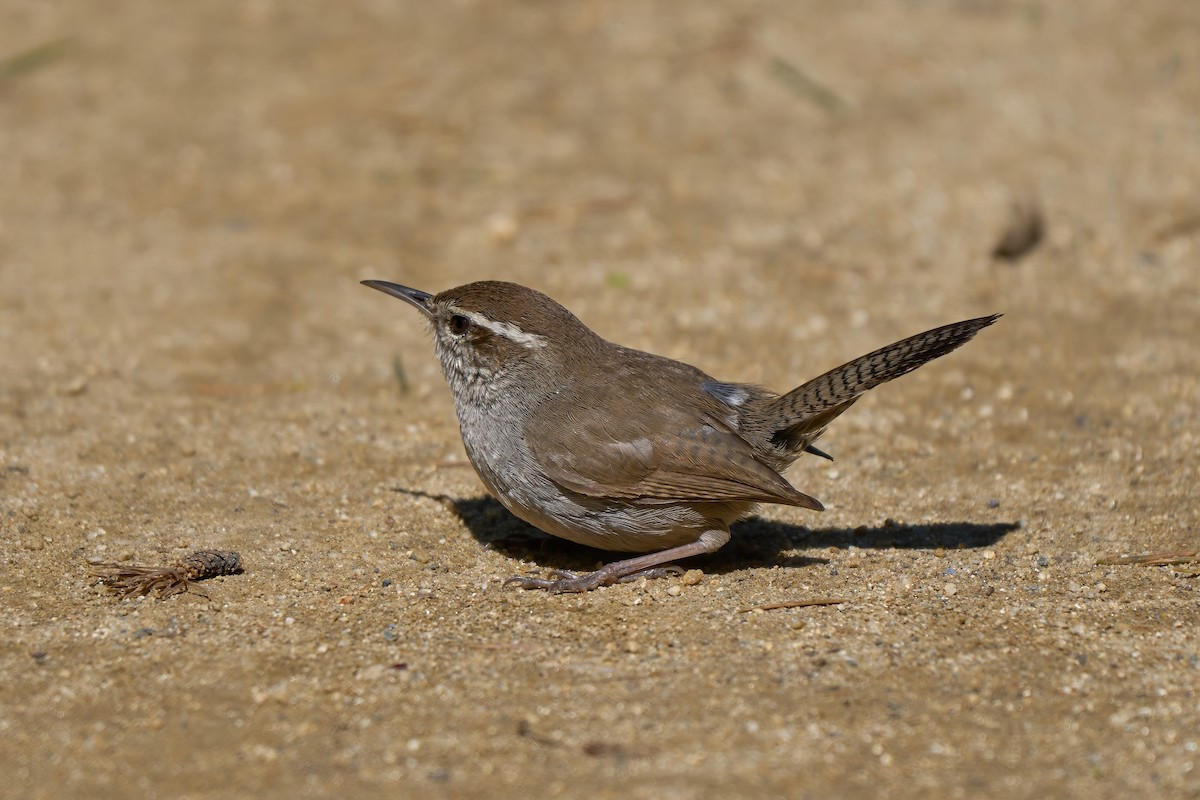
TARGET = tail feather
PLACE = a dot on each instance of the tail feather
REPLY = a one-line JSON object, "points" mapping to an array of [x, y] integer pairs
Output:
{"points": [[809, 408]]}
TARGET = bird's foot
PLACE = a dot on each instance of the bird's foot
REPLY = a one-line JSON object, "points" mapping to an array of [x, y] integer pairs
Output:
{"points": [[650, 565], [564, 581]]}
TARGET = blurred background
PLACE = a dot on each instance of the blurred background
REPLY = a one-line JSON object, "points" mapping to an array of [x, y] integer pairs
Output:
{"points": [[691, 173]]}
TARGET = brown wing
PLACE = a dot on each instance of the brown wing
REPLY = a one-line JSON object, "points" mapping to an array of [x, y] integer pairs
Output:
{"points": [[676, 453]]}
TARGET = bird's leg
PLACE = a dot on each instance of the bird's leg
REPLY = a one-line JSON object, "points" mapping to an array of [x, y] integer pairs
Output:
{"points": [[709, 541]]}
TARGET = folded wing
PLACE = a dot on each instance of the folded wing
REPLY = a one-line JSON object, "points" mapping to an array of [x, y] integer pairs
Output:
{"points": [[684, 453]]}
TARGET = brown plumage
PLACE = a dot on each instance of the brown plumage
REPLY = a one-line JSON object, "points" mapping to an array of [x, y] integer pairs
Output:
{"points": [[624, 450]]}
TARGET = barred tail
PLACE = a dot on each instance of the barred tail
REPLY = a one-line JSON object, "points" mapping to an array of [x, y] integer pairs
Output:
{"points": [[807, 409]]}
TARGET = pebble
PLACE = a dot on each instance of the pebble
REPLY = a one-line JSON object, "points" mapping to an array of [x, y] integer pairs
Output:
{"points": [[950, 590], [503, 228], [692, 577], [674, 591], [372, 673], [75, 387]]}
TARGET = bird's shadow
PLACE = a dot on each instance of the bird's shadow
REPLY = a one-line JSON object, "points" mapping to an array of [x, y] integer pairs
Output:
{"points": [[756, 542]]}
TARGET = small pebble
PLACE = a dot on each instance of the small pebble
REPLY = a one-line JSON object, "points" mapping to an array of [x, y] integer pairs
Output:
{"points": [[75, 387], [503, 228], [950, 590], [674, 591], [692, 577]]}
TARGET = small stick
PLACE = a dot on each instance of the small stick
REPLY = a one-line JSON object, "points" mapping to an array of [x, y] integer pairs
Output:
{"points": [[35, 58], [820, 601], [401, 375], [804, 85], [1153, 559], [132, 580], [526, 730]]}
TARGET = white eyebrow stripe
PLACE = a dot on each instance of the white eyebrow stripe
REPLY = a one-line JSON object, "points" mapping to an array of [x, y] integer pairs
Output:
{"points": [[530, 341]]}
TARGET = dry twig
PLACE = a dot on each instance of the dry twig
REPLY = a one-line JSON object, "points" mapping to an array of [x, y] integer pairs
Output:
{"points": [[132, 580]]}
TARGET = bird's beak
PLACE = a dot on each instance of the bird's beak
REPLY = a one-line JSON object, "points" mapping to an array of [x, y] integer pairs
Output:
{"points": [[413, 297]]}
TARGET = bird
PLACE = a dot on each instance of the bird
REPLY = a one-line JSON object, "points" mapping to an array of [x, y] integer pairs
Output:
{"points": [[623, 450]]}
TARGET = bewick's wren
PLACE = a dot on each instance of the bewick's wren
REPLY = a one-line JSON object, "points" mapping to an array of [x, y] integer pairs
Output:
{"points": [[624, 450]]}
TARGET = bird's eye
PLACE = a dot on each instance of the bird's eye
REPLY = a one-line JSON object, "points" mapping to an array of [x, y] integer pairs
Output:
{"points": [[459, 324]]}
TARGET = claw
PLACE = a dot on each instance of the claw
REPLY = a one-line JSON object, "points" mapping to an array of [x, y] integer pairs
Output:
{"points": [[560, 576], [654, 572], [527, 582]]}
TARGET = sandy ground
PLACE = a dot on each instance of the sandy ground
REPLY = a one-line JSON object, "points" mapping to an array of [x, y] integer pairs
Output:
{"points": [[189, 194]]}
